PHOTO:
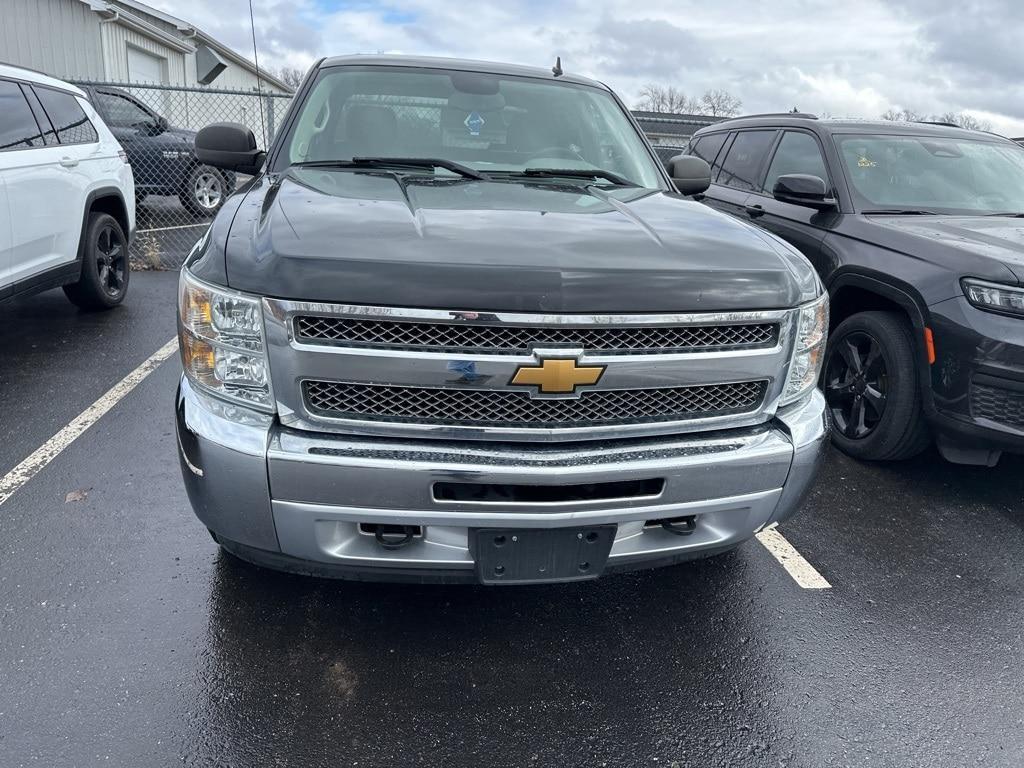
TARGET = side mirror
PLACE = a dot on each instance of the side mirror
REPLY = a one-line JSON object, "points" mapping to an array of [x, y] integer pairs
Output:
{"points": [[803, 189], [230, 146], [690, 174], [154, 127]]}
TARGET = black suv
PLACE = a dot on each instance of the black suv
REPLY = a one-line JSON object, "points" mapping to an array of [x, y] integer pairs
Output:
{"points": [[162, 157], [916, 230]]}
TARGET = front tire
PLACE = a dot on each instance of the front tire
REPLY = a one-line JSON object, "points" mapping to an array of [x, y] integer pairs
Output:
{"points": [[204, 191], [872, 388], [103, 282]]}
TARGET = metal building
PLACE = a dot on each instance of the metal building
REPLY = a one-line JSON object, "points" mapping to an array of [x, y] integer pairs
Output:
{"points": [[121, 41]]}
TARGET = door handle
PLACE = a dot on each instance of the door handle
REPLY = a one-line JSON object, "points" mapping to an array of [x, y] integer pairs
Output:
{"points": [[68, 162], [754, 210]]}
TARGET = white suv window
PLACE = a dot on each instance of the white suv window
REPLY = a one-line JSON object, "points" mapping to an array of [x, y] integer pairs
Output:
{"points": [[18, 126], [67, 116]]}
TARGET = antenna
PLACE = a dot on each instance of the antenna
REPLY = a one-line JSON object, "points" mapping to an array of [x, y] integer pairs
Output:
{"points": [[555, 70], [259, 80]]}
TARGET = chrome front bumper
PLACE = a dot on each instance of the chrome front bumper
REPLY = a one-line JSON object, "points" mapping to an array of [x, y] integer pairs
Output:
{"points": [[295, 500]]}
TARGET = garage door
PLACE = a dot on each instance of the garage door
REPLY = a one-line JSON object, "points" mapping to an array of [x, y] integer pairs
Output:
{"points": [[145, 67]]}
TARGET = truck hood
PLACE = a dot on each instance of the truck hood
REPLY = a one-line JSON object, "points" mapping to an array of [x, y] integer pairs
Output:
{"points": [[419, 241], [1000, 238], [189, 137]]}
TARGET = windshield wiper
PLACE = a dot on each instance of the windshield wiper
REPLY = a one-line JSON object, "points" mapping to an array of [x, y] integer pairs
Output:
{"points": [[400, 162], [1006, 214], [424, 162], [577, 173], [902, 212]]}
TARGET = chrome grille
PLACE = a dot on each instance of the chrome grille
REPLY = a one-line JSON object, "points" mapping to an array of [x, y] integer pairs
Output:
{"points": [[1000, 405], [476, 407], [511, 339]]}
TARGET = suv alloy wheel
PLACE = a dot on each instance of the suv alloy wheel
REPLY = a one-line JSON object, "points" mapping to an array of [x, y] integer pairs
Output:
{"points": [[872, 390], [105, 269]]}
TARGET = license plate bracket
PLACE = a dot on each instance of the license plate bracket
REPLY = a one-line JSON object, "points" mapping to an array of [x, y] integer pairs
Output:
{"points": [[538, 555]]}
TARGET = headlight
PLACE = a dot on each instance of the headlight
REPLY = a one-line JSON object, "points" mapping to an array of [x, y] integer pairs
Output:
{"points": [[221, 340], [994, 297], [808, 349]]}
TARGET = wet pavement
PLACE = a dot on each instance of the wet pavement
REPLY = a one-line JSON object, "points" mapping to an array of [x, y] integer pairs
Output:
{"points": [[126, 638]]}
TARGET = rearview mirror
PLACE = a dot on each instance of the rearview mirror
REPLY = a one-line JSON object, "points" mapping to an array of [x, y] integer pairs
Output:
{"points": [[803, 189], [690, 174], [230, 146]]}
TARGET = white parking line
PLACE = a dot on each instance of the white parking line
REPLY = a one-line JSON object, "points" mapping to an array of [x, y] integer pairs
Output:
{"points": [[803, 572], [53, 447]]}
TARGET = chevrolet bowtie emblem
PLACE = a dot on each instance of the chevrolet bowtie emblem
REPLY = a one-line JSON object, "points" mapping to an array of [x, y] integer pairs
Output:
{"points": [[557, 375]]}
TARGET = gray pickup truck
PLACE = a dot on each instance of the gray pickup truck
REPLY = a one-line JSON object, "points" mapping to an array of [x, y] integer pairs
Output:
{"points": [[462, 325]]}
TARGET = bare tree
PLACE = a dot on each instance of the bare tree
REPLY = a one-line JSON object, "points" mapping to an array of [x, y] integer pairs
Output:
{"points": [[719, 103], [902, 115], [659, 98], [290, 76], [964, 120], [961, 119]]}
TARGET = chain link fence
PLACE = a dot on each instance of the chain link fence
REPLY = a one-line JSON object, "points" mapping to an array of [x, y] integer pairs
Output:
{"points": [[176, 196]]}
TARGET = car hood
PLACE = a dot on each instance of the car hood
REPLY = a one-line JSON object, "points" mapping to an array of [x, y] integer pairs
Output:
{"points": [[388, 239], [1000, 238]]}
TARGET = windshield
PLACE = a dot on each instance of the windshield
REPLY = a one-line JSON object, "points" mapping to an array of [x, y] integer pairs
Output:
{"points": [[933, 174], [490, 123]]}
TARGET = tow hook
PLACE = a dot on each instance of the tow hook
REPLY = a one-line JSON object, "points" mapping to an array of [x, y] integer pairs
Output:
{"points": [[395, 536], [680, 526]]}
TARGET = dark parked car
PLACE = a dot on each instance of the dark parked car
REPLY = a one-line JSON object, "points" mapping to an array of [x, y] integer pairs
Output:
{"points": [[162, 157], [916, 230]]}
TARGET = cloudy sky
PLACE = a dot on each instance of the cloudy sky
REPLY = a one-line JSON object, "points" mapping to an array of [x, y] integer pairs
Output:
{"points": [[849, 59]]}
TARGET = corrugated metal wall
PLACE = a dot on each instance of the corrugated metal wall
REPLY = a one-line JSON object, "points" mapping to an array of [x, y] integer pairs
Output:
{"points": [[234, 77], [116, 40], [58, 37]]}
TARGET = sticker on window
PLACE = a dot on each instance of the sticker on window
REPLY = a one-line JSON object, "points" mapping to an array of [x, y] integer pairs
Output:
{"points": [[474, 122], [863, 162]]}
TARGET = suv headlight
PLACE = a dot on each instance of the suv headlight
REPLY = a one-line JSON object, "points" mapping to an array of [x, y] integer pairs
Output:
{"points": [[994, 297], [808, 349], [222, 342]]}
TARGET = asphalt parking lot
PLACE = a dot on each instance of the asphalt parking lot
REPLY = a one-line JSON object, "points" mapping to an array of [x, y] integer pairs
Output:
{"points": [[126, 638]]}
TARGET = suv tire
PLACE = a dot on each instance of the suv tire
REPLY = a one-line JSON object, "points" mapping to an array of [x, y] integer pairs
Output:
{"points": [[204, 191], [871, 384], [103, 282]]}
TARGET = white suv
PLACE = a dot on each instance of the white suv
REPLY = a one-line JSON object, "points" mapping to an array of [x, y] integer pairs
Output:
{"points": [[67, 195]]}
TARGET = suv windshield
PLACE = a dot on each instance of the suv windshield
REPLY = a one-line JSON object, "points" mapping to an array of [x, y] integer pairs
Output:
{"points": [[496, 124], [933, 174]]}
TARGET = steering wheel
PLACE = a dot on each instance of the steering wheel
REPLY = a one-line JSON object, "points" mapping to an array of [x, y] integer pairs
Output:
{"points": [[563, 152]]}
